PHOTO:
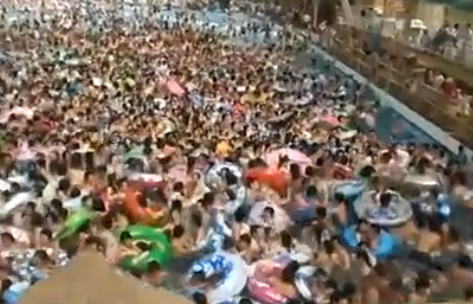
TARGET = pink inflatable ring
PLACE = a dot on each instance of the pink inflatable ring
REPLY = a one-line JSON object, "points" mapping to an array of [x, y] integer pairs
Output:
{"points": [[260, 290]]}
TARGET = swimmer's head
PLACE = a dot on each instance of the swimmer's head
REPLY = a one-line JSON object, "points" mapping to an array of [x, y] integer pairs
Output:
{"points": [[178, 231], [288, 274], [198, 278], [244, 242], [125, 237], [199, 298], [311, 192], [385, 199], [268, 213], [257, 231]]}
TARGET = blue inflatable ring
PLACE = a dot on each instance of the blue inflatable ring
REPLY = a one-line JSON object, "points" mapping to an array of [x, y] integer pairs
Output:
{"points": [[233, 269]]}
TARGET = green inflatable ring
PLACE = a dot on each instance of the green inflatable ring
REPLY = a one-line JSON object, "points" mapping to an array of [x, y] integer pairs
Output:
{"points": [[74, 222], [140, 261], [161, 248]]}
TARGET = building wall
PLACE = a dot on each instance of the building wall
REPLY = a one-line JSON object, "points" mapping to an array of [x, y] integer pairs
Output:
{"points": [[458, 16], [432, 14]]}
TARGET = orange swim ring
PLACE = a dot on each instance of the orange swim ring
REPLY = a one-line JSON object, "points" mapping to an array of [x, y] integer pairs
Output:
{"points": [[151, 216], [275, 178]]}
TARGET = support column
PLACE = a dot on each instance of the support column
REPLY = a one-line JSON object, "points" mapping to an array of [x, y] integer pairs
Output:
{"points": [[315, 6], [348, 13]]}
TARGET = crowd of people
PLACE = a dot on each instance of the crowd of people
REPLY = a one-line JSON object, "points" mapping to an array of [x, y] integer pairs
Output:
{"points": [[183, 141]]}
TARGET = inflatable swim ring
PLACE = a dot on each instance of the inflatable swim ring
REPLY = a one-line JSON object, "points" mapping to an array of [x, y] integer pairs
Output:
{"points": [[16, 201], [240, 199], [233, 270], [14, 292], [262, 292], [421, 182], [258, 289], [280, 220], [274, 178], [401, 159], [342, 172], [295, 156], [139, 214], [215, 173], [350, 189], [398, 212], [4, 185], [19, 234], [216, 233], [74, 222], [157, 239], [301, 210], [386, 246], [146, 181], [139, 262]]}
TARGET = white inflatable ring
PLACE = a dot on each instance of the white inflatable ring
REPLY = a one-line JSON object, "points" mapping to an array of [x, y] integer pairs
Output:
{"points": [[260, 290], [233, 268], [281, 219], [421, 180], [402, 160], [213, 175], [365, 207]]}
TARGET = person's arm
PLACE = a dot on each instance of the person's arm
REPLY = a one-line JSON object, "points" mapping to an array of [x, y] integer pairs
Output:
{"points": [[282, 288]]}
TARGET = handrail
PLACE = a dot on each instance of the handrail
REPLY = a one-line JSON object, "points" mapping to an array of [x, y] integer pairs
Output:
{"points": [[423, 100], [461, 73]]}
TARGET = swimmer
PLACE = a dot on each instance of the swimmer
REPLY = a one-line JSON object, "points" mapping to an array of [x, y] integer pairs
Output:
{"points": [[284, 283], [154, 275], [248, 249], [175, 214], [340, 213], [199, 280], [180, 242], [430, 235], [421, 291], [127, 246], [268, 217], [239, 227]]}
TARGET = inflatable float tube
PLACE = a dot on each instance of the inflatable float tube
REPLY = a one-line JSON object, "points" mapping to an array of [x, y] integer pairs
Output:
{"points": [[74, 222], [441, 208], [20, 235], [260, 290], [216, 234], [4, 185], [350, 189], [156, 238], [366, 206], [146, 181], [281, 219], [304, 215], [233, 269], [342, 172], [421, 181], [272, 177], [444, 210], [386, 246], [14, 292], [213, 241], [263, 293], [214, 175], [402, 160], [139, 262], [16, 201], [241, 199], [139, 214]]}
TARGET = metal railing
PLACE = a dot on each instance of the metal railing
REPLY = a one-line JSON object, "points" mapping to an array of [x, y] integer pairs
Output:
{"points": [[346, 46]]}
